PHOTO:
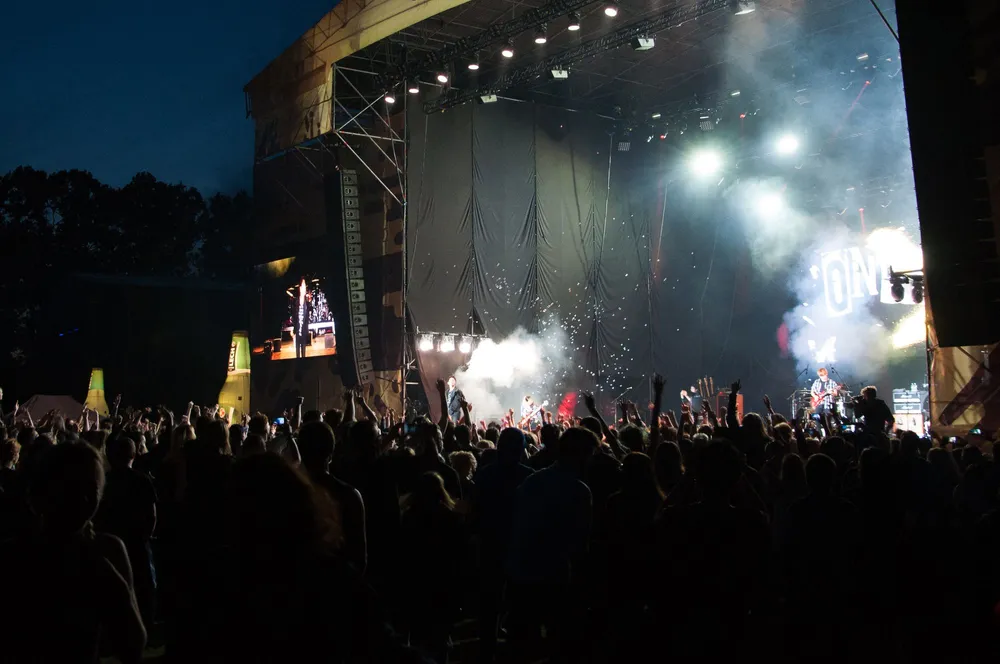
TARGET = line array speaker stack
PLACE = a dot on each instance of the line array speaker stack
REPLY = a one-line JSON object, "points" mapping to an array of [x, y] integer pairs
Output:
{"points": [[354, 254]]}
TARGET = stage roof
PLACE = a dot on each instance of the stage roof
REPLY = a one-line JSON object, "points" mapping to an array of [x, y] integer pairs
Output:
{"points": [[782, 43]]}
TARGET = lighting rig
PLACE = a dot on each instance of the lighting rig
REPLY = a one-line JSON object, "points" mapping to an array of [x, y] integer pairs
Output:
{"points": [[644, 29], [897, 281], [444, 342]]}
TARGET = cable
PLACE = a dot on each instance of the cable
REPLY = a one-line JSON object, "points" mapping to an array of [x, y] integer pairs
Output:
{"points": [[884, 20]]}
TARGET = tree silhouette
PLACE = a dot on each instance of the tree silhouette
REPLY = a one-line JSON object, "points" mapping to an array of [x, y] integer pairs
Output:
{"points": [[54, 225]]}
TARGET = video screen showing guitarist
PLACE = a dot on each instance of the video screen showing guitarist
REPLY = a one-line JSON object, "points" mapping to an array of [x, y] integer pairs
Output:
{"points": [[824, 391]]}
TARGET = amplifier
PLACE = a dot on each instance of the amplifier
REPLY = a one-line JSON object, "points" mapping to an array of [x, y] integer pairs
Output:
{"points": [[908, 401], [722, 401]]}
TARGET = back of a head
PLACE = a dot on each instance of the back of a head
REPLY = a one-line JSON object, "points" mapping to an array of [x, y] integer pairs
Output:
{"points": [[120, 451], [836, 448], [260, 426], [793, 470], [754, 425], [549, 436], [316, 444], [213, 436], [909, 443], [277, 511], [593, 425], [66, 487], [253, 444], [464, 463], [632, 438], [462, 436], [637, 474], [492, 434], [577, 445], [333, 417], [821, 472], [10, 450], [510, 446], [429, 492], [718, 468]]}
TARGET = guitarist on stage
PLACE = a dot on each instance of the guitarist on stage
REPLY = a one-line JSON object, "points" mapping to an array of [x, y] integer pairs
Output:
{"points": [[823, 391]]}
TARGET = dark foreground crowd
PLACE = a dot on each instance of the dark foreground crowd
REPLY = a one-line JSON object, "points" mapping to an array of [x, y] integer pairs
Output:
{"points": [[344, 536]]}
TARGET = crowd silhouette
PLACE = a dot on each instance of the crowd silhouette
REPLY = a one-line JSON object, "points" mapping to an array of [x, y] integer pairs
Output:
{"points": [[348, 536]]}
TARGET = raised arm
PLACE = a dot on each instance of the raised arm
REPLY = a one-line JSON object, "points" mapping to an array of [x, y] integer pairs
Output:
{"points": [[654, 432], [731, 420], [609, 435], [443, 402]]}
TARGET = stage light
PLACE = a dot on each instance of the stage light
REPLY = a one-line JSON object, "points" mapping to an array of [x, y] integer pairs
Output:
{"points": [[734, 93], [862, 57], [611, 9], [743, 7], [540, 35], [413, 87], [465, 345], [896, 282], [642, 43], [559, 74], [917, 289], [705, 163], [473, 66], [487, 99], [442, 77], [447, 344], [390, 98], [574, 22], [770, 204], [787, 144], [426, 343], [508, 49]]}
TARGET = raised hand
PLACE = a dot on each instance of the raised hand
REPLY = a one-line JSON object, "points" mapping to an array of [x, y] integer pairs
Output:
{"points": [[588, 400], [735, 387], [658, 383], [767, 402]]}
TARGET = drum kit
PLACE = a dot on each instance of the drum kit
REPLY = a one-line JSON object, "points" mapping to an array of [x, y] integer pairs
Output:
{"points": [[843, 403]]}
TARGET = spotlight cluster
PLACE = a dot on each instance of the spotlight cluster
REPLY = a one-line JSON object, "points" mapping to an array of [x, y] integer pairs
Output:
{"points": [[448, 343]]}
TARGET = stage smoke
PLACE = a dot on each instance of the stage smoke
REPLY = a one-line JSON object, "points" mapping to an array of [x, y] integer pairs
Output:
{"points": [[500, 374]]}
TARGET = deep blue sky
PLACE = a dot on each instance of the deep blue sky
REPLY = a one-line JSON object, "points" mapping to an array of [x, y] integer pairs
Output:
{"points": [[120, 86]]}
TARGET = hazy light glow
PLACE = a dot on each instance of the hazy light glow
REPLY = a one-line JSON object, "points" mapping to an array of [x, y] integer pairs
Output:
{"points": [[911, 330], [770, 204], [705, 162], [465, 345], [447, 344], [426, 343], [788, 144]]}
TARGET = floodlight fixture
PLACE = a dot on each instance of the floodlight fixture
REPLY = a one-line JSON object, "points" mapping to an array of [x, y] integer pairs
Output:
{"points": [[541, 35], [447, 344], [487, 98], [743, 7], [474, 65], [642, 43], [442, 77], [390, 98], [426, 343], [508, 49], [413, 87], [574, 22], [465, 345], [611, 8], [559, 74]]}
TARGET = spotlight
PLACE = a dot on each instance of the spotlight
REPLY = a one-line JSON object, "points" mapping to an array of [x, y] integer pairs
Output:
{"points": [[655, 116], [390, 98], [917, 289], [611, 9], [574, 22], [413, 87], [487, 99], [705, 163], [465, 345], [769, 205], [642, 43], [473, 66], [862, 57], [442, 77], [787, 144], [743, 7], [426, 343], [508, 49], [896, 282], [559, 74], [447, 344], [734, 93], [540, 35]]}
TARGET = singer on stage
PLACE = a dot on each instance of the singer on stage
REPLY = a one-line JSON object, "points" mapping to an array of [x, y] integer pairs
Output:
{"points": [[454, 399]]}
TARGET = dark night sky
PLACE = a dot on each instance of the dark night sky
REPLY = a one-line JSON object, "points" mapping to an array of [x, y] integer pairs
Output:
{"points": [[121, 86]]}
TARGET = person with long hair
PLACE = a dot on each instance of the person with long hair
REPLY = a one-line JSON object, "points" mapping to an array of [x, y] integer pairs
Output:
{"points": [[72, 591], [434, 537]]}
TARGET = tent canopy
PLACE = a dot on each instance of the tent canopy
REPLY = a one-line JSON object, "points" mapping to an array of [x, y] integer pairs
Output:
{"points": [[40, 404]]}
